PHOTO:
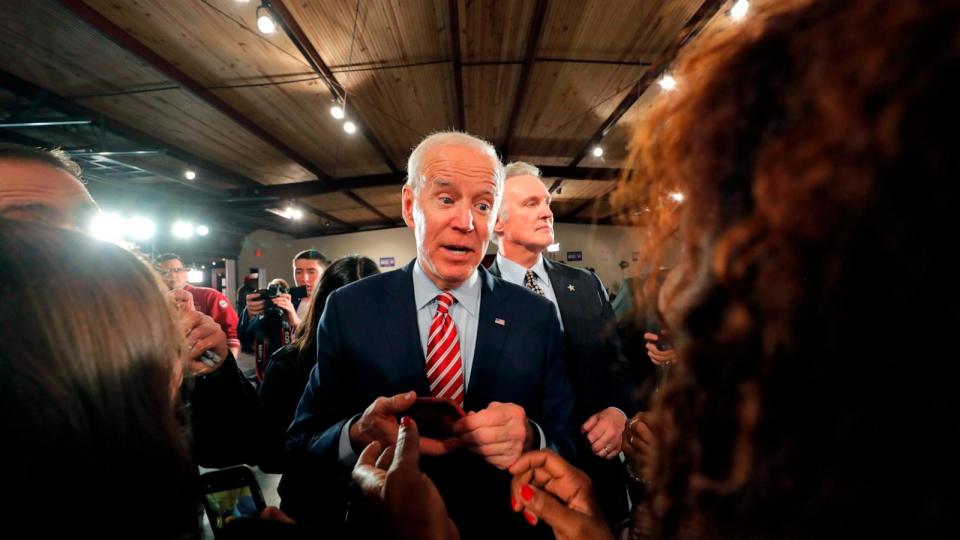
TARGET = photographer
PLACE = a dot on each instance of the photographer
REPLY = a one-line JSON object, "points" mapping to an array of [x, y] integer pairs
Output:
{"points": [[273, 314]]}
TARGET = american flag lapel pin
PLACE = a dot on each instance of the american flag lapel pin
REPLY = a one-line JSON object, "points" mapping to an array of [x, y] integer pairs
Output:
{"points": [[500, 321]]}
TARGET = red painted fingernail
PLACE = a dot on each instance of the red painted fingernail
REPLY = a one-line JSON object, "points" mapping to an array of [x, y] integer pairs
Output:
{"points": [[406, 421], [526, 493], [513, 502], [531, 519]]}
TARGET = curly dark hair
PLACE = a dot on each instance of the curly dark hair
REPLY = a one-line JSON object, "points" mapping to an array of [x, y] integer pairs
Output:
{"points": [[816, 145]]}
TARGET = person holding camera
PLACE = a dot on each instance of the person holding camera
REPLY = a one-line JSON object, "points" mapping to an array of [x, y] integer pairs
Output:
{"points": [[272, 315]]}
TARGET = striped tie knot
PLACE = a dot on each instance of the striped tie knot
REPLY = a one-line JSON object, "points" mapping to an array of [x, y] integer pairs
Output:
{"points": [[444, 301]]}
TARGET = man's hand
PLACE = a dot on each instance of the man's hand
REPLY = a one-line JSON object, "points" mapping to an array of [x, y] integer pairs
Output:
{"points": [[379, 423], [658, 357], [391, 479], [182, 300], [500, 433], [201, 333], [546, 487], [254, 305], [604, 430], [285, 303]]}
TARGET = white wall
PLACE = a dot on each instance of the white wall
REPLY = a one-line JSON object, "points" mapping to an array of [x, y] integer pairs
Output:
{"points": [[602, 246]]}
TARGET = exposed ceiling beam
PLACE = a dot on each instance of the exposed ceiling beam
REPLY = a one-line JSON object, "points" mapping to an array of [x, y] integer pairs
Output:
{"points": [[44, 122], [130, 44], [555, 186], [29, 90], [362, 202], [296, 34], [579, 173], [306, 189], [689, 31], [457, 69], [533, 41]]}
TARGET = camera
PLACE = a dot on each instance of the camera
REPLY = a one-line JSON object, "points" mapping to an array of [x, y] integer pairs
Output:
{"points": [[276, 290]]}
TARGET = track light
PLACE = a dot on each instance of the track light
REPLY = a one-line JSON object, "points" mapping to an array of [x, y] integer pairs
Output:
{"points": [[349, 127], [337, 112], [597, 151], [265, 21], [190, 175]]}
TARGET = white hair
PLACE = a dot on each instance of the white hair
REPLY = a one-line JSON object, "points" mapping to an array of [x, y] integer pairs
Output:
{"points": [[415, 179], [516, 168]]}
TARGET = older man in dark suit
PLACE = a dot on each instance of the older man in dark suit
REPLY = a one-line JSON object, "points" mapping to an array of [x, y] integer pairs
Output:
{"points": [[445, 328], [600, 373]]}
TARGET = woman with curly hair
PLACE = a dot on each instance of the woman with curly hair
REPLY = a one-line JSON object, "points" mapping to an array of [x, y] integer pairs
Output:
{"points": [[816, 147]]}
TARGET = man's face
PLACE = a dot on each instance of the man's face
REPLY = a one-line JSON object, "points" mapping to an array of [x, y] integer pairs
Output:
{"points": [[529, 220], [36, 191], [307, 272], [451, 217], [174, 274]]}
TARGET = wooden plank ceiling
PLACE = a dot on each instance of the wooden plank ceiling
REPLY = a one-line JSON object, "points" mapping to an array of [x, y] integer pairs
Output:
{"points": [[193, 85]]}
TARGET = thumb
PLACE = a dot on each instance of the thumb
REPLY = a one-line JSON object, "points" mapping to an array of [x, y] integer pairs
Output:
{"points": [[562, 520], [395, 405], [407, 453]]}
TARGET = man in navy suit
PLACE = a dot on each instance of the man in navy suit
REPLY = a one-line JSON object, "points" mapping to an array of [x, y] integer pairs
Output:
{"points": [[602, 385], [439, 327]]}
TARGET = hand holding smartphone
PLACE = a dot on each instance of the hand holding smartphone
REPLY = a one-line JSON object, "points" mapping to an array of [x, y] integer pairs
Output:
{"points": [[435, 417], [229, 494]]}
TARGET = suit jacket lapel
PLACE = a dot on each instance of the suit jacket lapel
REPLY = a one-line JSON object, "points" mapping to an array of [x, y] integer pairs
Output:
{"points": [[490, 339], [399, 313], [566, 299]]}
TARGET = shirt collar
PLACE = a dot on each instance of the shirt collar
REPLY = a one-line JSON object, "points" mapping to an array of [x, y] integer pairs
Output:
{"points": [[426, 291], [515, 273]]}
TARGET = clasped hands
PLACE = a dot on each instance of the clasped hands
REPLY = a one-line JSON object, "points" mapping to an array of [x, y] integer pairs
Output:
{"points": [[499, 433]]}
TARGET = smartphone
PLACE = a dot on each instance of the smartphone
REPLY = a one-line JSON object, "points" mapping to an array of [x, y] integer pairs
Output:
{"points": [[435, 417], [229, 494]]}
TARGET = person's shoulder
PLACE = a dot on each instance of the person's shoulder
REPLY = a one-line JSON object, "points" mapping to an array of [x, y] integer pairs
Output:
{"points": [[573, 272], [207, 292]]}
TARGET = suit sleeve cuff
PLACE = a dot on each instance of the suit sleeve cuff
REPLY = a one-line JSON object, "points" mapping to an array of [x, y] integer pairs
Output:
{"points": [[345, 454], [541, 440]]}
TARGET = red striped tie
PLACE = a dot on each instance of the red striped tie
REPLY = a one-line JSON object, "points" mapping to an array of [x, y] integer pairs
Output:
{"points": [[444, 368]]}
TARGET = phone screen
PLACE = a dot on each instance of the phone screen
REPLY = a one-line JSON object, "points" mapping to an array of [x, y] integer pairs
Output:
{"points": [[227, 505]]}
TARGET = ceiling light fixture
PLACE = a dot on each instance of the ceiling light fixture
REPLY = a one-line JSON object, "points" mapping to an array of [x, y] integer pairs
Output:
{"points": [[190, 175], [337, 111], [597, 151], [265, 20], [349, 127]]}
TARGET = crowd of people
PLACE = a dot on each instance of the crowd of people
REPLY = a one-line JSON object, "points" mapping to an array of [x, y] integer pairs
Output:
{"points": [[815, 147]]}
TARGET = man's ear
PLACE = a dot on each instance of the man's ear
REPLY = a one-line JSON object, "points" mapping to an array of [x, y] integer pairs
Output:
{"points": [[406, 205]]}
